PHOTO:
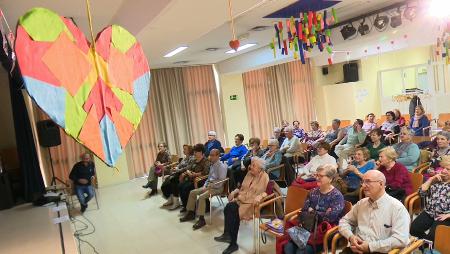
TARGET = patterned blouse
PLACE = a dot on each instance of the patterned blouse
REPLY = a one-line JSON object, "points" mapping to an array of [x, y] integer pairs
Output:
{"points": [[312, 136], [437, 154], [300, 133], [437, 199], [329, 206]]}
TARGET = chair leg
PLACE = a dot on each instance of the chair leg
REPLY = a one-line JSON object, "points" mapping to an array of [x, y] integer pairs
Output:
{"points": [[210, 210]]}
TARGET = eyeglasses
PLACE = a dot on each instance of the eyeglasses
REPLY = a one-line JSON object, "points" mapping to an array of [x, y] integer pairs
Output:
{"points": [[319, 175], [368, 181]]}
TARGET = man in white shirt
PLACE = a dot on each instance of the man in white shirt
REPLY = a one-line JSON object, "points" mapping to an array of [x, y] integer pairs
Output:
{"points": [[289, 147], [320, 159], [377, 223]]}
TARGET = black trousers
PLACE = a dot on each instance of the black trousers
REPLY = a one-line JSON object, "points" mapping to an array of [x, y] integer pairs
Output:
{"points": [[170, 186], [234, 174], [422, 223], [185, 188], [232, 221], [289, 169]]}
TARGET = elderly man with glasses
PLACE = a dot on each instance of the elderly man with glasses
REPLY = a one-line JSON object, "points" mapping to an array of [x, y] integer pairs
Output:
{"points": [[377, 223]]}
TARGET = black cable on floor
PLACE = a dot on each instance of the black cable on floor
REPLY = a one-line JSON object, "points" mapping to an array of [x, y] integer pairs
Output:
{"points": [[78, 233]]}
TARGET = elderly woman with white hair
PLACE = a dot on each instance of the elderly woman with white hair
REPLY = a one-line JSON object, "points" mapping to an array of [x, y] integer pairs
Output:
{"points": [[272, 158], [212, 143], [408, 152], [327, 203], [242, 202], [277, 135]]}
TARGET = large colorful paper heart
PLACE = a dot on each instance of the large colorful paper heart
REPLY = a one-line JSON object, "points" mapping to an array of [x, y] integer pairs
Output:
{"points": [[98, 97]]}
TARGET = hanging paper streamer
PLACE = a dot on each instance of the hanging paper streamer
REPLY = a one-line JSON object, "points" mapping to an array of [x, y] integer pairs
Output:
{"points": [[303, 33], [97, 92], [443, 42]]}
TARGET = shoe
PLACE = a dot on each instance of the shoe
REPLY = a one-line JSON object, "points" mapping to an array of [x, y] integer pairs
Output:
{"points": [[190, 215], [231, 248], [223, 238], [200, 223], [83, 208], [175, 204], [146, 186], [183, 210], [169, 201], [152, 193]]}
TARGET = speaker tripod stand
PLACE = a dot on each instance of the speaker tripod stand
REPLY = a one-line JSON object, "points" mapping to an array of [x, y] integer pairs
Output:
{"points": [[54, 178]]}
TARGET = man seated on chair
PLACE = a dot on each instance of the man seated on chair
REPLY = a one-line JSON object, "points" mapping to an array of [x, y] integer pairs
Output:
{"points": [[377, 223], [290, 146], [217, 172], [81, 176]]}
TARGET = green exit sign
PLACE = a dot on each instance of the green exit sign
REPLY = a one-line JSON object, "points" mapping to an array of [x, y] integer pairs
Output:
{"points": [[233, 97]]}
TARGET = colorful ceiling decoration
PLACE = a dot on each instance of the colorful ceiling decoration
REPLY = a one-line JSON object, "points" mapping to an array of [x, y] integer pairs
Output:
{"points": [[96, 93], [302, 6]]}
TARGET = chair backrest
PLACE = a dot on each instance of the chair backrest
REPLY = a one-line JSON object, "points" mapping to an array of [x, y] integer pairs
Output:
{"points": [[345, 123], [442, 238], [443, 118], [419, 139], [174, 158], [416, 180], [295, 198], [347, 207], [265, 143], [227, 149], [425, 156]]}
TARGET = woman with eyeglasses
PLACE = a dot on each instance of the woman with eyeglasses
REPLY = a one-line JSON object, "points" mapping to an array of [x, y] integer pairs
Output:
{"points": [[327, 202], [435, 191], [408, 152], [398, 181], [162, 160]]}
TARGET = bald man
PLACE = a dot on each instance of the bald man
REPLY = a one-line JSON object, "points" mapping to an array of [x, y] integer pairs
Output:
{"points": [[377, 223]]}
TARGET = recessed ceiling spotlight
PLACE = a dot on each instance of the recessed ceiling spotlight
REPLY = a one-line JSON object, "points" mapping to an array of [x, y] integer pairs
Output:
{"points": [[176, 51], [259, 28], [212, 49], [381, 22], [245, 46], [396, 20]]}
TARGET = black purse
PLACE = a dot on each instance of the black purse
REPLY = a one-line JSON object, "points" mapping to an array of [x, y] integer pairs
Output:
{"points": [[308, 220]]}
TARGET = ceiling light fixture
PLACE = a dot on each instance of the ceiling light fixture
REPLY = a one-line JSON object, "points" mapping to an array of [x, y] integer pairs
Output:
{"points": [[245, 46], [410, 12], [363, 28], [176, 51], [348, 31], [381, 22], [396, 20]]}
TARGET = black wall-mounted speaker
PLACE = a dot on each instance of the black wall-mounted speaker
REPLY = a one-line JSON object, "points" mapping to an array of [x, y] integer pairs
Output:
{"points": [[325, 70], [48, 133], [351, 72]]}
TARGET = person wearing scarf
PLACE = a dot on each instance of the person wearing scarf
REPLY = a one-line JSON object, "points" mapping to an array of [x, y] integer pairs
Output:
{"points": [[419, 121], [407, 151]]}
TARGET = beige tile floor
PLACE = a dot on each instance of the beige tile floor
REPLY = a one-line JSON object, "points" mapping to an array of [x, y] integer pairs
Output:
{"points": [[128, 223]]}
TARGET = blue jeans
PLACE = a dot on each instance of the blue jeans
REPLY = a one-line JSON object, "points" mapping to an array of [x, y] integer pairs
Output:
{"points": [[81, 190], [291, 248]]}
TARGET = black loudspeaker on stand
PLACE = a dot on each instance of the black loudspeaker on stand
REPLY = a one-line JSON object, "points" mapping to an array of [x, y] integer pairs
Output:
{"points": [[48, 133]]}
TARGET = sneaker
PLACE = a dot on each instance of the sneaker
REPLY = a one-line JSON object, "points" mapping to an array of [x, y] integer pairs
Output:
{"points": [[169, 201], [223, 238], [231, 248], [200, 223], [152, 193], [190, 215], [146, 186], [175, 204]]}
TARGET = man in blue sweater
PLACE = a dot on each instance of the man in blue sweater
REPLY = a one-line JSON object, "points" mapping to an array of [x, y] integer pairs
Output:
{"points": [[234, 158], [212, 143]]}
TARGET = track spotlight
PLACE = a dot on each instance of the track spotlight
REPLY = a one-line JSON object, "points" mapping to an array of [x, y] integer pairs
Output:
{"points": [[363, 28], [396, 20], [348, 31], [381, 22], [410, 12]]}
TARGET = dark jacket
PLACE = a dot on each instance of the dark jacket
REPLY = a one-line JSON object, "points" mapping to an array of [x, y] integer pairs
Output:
{"points": [[213, 144]]}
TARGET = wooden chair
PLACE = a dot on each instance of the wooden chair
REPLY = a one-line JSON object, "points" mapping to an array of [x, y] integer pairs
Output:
{"points": [[412, 246], [419, 139], [295, 199], [227, 149], [345, 123], [265, 143], [225, 193], [262, 211], [422, 167], [333, 231], [442, 119], [70, 192], [412, 201], [442, 238]]}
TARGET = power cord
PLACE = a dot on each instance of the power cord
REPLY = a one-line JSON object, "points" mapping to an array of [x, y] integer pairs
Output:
{"points": [[79, 232]]}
